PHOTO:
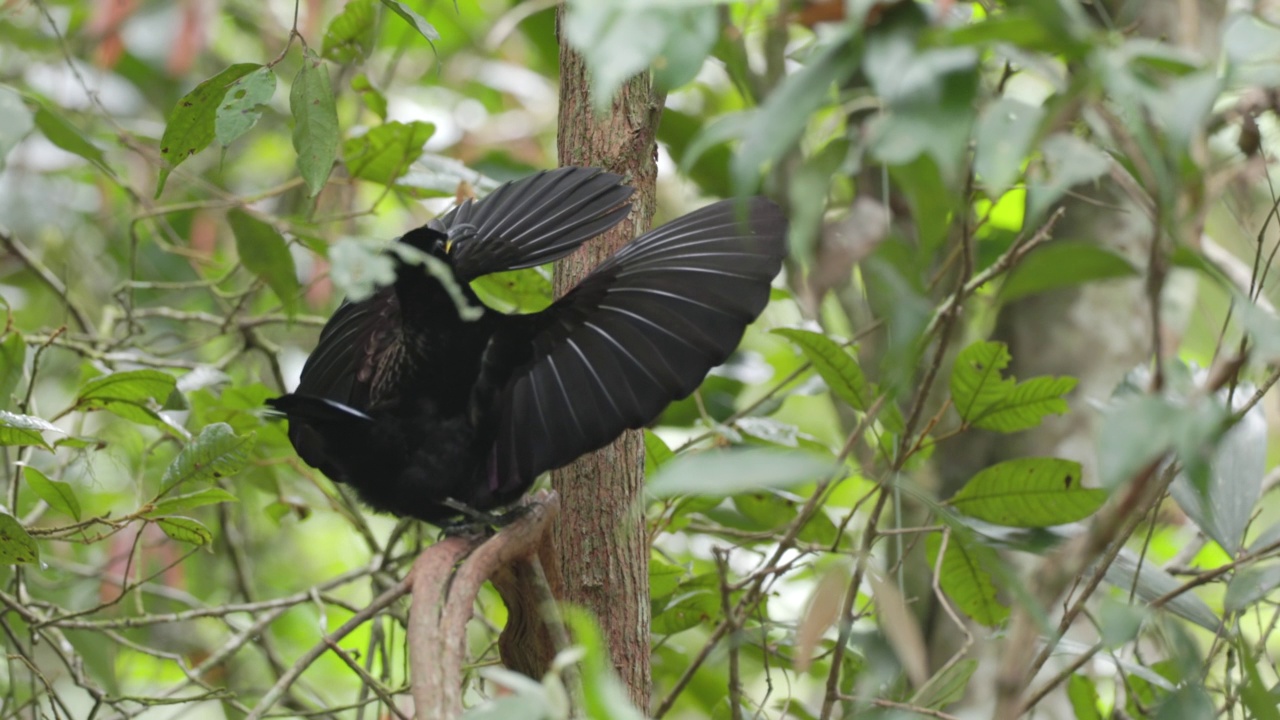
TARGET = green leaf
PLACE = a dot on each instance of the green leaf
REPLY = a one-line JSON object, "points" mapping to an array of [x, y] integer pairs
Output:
{"points": [[1029, 492], [686, 610], [242, 105], [13, 355], [16, 121], [726, 472], [1061, 264], [987, 400], [946, 687], [1027, 405], [68, 137], [966, 577], [604, 695], [1005, 132], [216, 452], [711, 170], [371, 96], [191, 125], [424, 28], [315, 117], [1254, 693], [656, 453], [58, 495], [976, 381], [840, 370], [134, 386], [526, 291], [266, 254], [181, 503], [1249, 586], [1083, 695], [24, 429], [835, 364], [664, 577], [185, 530], [386, 152], [133, 411], [350, 35], [16, 546]]}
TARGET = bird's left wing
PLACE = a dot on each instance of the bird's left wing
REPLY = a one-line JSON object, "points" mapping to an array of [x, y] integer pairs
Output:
{"points": [[532, 221], [643, 329]]}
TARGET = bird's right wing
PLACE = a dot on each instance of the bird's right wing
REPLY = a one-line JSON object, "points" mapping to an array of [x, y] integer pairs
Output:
{"points": [[643, 329], [532, 221]]}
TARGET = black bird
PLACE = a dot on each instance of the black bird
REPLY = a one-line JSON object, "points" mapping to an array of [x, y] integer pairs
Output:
{"points": [[428, 414]]}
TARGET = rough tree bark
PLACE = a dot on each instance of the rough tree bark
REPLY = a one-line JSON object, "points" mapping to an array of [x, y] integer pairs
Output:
{"points": [[600, 538]]}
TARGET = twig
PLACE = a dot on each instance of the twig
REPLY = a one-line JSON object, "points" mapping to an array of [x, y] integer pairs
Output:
{"points": [[277, 691], [444, 599], [46, 276]]}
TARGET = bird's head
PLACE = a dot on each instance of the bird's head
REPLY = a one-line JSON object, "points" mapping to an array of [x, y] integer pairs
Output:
{"points": [[430, 241]]}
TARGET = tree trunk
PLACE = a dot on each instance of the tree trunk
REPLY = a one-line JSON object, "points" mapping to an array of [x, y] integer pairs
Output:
{"points": [[600, 539]]}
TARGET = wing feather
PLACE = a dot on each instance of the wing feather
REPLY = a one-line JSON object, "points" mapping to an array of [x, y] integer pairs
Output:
{"points": [[533, 221], [643, 329]]}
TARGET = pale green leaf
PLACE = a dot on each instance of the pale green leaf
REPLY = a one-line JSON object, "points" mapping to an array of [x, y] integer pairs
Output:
{"points": [[16, 120], [386, 152], [976, 381], [24, 429], [966, 576], [1028, 404], [182, 503], [57, 494], [726, 472], [191, 125], [350, 34], [16, 546], [1061, 264], [264, 252], [1249, 586], [68, 136], [135, 386], [416, 21], [242, 105], [216, 452], [1005, 132], [315, 118], [13, 354], [185, 530]]}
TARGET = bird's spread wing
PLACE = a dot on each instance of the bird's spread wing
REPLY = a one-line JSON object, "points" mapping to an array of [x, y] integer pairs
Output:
{"points": [[640, 331], [338, 368], [532, 221]]}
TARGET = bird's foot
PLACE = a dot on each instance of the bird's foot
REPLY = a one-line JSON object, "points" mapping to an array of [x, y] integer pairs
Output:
{"points": [[477, 522]]}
